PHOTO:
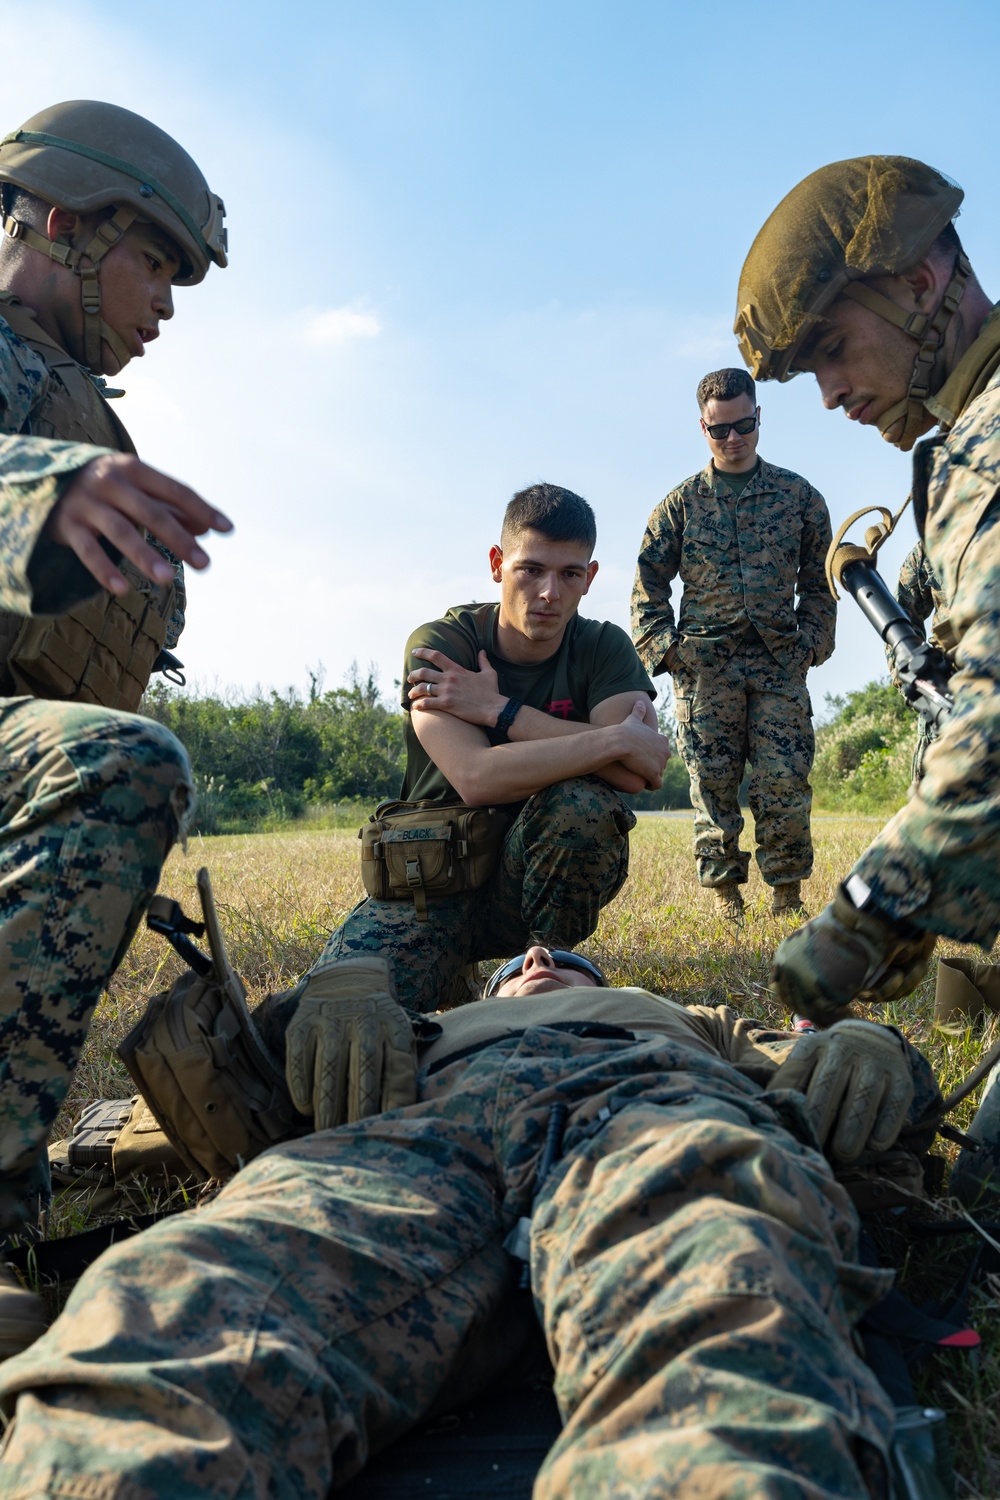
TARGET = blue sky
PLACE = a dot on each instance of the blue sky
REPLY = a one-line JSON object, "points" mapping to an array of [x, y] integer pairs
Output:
{"points": [[479, 244]]}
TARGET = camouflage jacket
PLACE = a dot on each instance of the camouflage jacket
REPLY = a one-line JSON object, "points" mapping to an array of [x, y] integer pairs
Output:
{"points": [[36, 576], [937, 863], [742, 563], [920, 594]]}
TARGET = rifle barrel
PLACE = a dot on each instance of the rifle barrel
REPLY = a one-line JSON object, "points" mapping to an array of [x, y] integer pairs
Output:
{"points": [[874, 598]]}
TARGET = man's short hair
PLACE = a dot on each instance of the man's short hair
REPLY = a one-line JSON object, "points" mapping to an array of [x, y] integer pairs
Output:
{"points": [[947, 245], [725, 385], [23, 206], [558, 514]]}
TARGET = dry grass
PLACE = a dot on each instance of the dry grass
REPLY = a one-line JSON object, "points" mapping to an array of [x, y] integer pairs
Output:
{"points": [[279, 894]]}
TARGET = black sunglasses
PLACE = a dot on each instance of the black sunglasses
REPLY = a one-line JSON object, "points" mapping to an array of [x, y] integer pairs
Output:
{"points": [[719, 431], [561, 958]]}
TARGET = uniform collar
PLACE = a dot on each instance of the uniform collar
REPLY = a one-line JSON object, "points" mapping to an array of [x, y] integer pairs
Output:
{"points": [[971, 375], [709, 478]]}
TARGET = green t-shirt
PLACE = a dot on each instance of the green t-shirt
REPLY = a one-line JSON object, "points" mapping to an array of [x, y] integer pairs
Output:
{"points": [[737, 482], [595, 660]]}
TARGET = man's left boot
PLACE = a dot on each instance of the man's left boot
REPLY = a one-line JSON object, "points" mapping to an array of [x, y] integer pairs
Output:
{"points": [[729, 902], [786, 899]]}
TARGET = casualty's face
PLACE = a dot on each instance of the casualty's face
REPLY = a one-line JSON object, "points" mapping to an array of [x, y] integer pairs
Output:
{"points": [[862, 363], [541, 584], [541, 973]]}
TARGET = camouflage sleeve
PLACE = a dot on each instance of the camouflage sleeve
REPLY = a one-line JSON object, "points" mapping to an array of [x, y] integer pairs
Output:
{"points": [[914, 589], [654, 625], [23, 380], [816, 611], [37, 577], [175, 625], [937, 863], [739, 1040]]}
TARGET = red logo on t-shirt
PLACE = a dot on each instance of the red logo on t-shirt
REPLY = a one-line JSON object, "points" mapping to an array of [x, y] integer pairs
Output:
{"points": [[561, 708]]}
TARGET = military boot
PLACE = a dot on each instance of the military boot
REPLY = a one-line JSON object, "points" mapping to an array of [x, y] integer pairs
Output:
{"points": [[786, 900], [22, 1316], [729, 901]]}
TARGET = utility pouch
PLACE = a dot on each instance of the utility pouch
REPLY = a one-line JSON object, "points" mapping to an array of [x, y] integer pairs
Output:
{"points": [[113, 1141], [199, 1061], [420, 849], [102, 651]]}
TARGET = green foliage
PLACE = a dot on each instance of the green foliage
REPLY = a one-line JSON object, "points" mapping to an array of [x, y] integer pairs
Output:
{"points": [[675, 791], [264, 760], [864, 752], [676, 788]]}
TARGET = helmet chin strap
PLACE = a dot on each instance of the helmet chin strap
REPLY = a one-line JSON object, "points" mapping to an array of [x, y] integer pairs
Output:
{"points": [[85, 264], [930, 334]]}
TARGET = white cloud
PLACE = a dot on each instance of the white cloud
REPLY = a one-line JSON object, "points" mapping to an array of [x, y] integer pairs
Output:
{"points": [[339, 325]]}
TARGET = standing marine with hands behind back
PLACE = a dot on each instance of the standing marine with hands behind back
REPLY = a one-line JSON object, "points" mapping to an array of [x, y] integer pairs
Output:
{"points": [[103, 213]]}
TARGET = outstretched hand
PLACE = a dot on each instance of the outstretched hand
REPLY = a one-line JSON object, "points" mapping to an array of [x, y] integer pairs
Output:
{"points": [[111, 498]]}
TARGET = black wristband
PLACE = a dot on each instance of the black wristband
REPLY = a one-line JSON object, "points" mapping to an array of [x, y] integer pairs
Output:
{"points": [[505, 719]]}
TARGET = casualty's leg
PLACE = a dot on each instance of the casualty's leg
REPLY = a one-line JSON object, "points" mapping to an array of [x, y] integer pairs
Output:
{"points": [[712, 740], [266, 1344], [563, 860], [694, 1270], [90, 804], [781, 754]]}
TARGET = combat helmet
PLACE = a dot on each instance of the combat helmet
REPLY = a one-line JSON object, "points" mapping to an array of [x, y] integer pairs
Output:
{"points": [[852, 220], [84, 156]]}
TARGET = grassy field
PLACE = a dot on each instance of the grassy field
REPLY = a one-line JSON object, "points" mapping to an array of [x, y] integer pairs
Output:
{"points": [[279, 894]]}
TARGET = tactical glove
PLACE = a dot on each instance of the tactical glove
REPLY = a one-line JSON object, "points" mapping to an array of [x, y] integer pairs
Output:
{"points": [[858, 1086], [846, 954], [350, 1050]]}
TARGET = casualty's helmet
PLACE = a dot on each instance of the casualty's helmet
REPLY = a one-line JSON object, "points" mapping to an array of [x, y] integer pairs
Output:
{"points": [[84, 156], [850, 221]]}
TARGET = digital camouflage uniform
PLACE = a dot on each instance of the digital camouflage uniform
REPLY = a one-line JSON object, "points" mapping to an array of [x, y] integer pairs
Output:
{"points": [[90, 803], [744, 646], [565, 855], [694, 1265], [920, 595], [937, 863]]}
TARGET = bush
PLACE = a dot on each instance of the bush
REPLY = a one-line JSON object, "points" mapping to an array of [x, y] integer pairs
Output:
{"points": [[864, 752], [263, 760]]}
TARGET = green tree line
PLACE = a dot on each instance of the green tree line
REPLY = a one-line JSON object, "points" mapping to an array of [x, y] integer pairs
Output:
{"points": [[864, 751], [264, 759]]}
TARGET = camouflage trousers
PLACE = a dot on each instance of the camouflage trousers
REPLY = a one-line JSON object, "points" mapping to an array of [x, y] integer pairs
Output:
{"points": [[90, 803], [752, 710], [564, 858], [693, 1266]]}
